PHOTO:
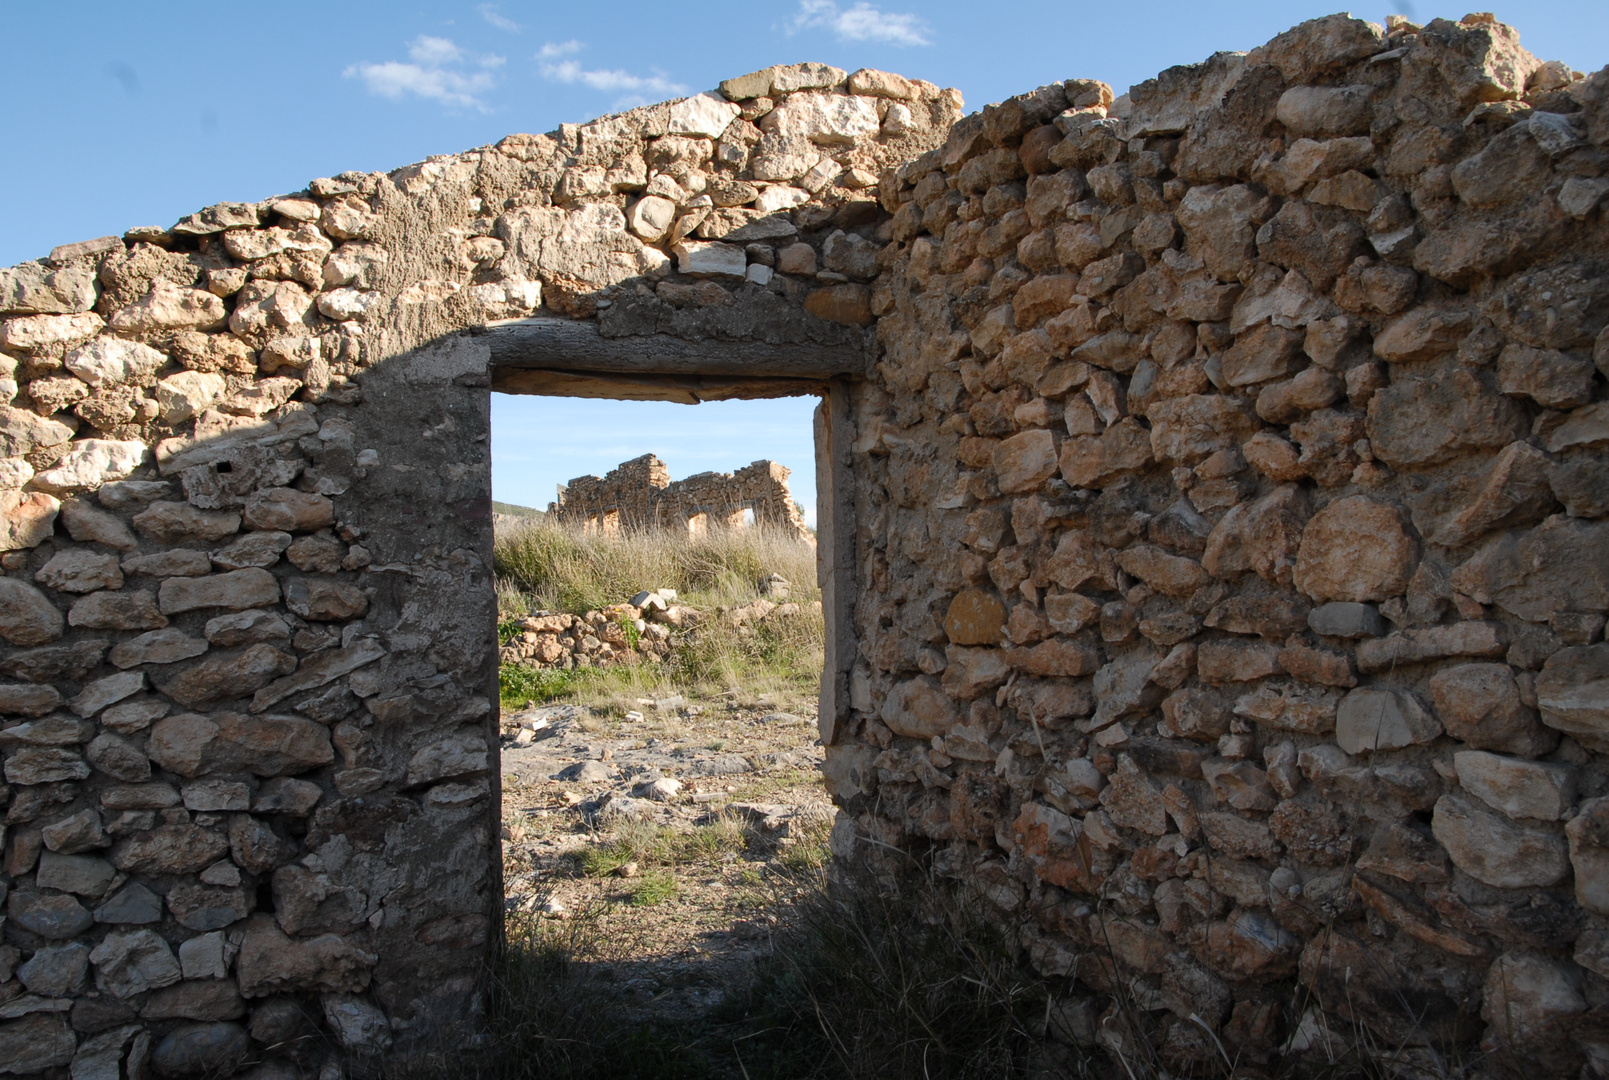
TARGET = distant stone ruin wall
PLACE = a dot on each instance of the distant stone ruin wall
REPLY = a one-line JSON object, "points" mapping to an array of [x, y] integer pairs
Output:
{"points": [[639, 493], [1227, 509], [248, 670]]}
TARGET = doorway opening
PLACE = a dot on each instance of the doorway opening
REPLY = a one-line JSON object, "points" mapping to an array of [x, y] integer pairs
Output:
{"points": [[663, 636]]}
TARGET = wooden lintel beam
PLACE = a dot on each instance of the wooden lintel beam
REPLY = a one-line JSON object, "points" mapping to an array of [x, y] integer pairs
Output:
{"points": [[684, 389], [577, 346]]}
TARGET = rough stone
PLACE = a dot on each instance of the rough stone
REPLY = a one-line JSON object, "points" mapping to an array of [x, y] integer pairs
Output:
{"points": [[1497, 851], [1573, 691], [26, 616], [1480, 704], [1520, 789], [1369, 719], [80, 571], [1355, 550], [194, 745], [271, 963]]}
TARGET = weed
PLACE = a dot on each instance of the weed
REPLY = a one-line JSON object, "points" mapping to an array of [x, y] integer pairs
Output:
{"points": [[517, 684], [654, 887]]}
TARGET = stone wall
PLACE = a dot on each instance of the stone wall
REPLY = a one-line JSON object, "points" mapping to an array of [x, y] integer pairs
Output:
{"points": [[640, 493], [1234, 555], [1227, 517], [249, 658]]}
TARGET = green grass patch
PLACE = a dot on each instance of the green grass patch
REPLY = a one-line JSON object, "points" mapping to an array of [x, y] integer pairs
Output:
{"points": [[654, 887]]}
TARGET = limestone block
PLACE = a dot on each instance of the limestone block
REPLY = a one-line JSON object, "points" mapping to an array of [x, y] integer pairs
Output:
{"points": [[651, 217], [176, 522], [270, 962], [464, 754], [85, 523], [1369, 719], [1520, 789], [75, 833], [1497, 851], [1527, 996], [713, 259], [26, 518], [22, 432], [1419, 422], [29, 699], [1573, 691], [83, 875], [40, 1041], [126, 610], [1561, 565], [91, 463], [256, 549], [39, 335], [236, 590], [164, 646], [41, 288], [225, 676], [80, 571], [323, 600], [44, 765], [825, 119], [345, 303], [133, 962], [918, 708], [184, 395], [1355, 550], [169, 849], [170, 307], [118, 758], [110, 361], [26, 617], [1480, 704], [705, 115]]}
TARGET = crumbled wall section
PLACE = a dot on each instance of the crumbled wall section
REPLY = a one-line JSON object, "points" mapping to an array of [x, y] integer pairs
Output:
{"points": [[248, 670], [1227, 500], [640, 493], [1233, 548]]}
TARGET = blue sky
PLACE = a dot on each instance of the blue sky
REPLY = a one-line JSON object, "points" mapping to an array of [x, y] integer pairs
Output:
{"points": [[120, 114]]}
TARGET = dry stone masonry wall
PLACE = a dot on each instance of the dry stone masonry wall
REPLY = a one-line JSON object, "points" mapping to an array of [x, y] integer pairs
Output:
{"points": [[640, 493], [1227, 517], [1265, 409], [249, 658]]}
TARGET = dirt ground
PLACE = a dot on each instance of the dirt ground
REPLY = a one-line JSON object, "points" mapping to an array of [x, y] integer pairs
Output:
{"points": [[663, 838]]}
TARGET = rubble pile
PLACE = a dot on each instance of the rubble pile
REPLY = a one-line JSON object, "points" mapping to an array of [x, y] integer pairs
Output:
{"points": [[637, 631]]}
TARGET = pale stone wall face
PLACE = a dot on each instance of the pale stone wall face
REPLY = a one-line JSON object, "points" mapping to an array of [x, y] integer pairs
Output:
{"points": [[1228, 528], [640, 493]]}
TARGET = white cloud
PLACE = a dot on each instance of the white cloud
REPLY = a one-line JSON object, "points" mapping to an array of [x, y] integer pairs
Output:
{"points": [[434, 51], [490, 13], [615, 80], [430, 75], [863, 22], [554, 50]]}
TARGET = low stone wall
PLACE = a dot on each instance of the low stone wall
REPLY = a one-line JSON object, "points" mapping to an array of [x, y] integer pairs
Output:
{"points": [[634, 632]]}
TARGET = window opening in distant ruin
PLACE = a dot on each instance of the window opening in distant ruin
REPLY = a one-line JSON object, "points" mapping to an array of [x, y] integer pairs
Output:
{"points": [[746, 518], [698, 524]]}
